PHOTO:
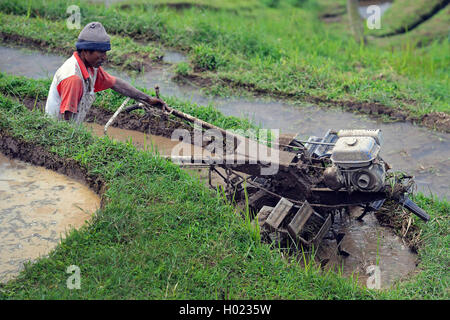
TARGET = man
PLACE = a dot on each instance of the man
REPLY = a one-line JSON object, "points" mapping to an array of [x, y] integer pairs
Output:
{"points": [[72, 91]]}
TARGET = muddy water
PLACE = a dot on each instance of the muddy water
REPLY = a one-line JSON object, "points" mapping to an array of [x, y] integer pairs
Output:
{"points": [[37, 207], [141, 140], [162, 145], [418, 151], [369, 245]]}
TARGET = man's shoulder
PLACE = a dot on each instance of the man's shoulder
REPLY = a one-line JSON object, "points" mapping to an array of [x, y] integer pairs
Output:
{"points": [[68, 69]]}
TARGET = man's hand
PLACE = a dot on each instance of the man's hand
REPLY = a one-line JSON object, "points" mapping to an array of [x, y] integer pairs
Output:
{"points": [[126, 89], [156, 102]]}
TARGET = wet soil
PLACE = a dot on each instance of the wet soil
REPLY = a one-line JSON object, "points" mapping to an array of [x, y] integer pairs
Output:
{"points": [[158, 124], [368, 244], [38, 206]]}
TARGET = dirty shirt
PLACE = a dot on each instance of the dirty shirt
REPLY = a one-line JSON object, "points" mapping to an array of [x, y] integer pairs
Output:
{"points": [[73, 88]]}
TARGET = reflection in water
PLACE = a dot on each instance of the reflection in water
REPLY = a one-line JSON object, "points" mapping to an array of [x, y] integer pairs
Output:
{"points": [[37, 207], [418, 151]]}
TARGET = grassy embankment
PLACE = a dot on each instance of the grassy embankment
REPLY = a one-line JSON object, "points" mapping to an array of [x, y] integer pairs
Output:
{"points": [[406, 15], [162, 234], [281, 50], [22, 88], [47, 35]]}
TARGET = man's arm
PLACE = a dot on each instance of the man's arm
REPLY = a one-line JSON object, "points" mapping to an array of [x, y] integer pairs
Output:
{"points": [[128, 90]]}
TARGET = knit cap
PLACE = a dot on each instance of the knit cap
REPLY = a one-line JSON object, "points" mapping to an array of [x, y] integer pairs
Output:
{"points": [[93, 37]]}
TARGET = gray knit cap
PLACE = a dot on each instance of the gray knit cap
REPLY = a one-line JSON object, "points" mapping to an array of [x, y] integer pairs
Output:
{"points": [[93, 37]]}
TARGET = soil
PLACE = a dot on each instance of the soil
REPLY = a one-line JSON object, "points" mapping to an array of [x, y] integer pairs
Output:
{"points": [[435, 120], [158, 124], [401, 223]]}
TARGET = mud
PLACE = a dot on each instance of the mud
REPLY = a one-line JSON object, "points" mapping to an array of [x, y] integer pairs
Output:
{"points": [[160, 144], [37, 206], [159, 124], [368, 244]]}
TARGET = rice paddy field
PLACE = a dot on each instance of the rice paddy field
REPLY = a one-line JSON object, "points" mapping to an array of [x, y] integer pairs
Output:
{"points": [[160, 232]]}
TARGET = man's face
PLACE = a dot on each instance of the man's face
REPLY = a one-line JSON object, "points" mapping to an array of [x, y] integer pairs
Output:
{"points": [[95, 58]]}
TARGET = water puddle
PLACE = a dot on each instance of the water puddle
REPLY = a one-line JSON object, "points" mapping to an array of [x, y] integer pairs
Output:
{"points": [[372, 248], [144, 141], [37, 207], [365, 4], [174, 57]]}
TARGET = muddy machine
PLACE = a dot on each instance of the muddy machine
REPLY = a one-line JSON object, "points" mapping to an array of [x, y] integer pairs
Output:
{"points": [[324, 177], [316, 180]]}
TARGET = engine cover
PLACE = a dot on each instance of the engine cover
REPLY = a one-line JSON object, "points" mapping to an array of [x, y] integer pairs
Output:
{"points": [[356, 161]]}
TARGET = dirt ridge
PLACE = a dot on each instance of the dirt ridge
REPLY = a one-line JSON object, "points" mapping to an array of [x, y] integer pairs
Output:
{"points": [[35, 154], [421, 19]]}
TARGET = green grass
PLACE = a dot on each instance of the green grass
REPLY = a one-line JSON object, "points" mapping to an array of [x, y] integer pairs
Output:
{"points": [[163, 235], [54, 36], [404, 13], [432, 30], [282, 49], [22, 87]]}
